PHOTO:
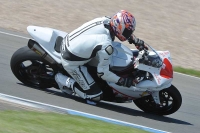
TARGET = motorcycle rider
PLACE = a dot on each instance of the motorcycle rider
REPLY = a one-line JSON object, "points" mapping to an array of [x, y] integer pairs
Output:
{"points": [[94, 38]]}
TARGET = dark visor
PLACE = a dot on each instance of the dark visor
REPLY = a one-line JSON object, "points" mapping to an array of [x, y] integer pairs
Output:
{"points": [[127, 33]]}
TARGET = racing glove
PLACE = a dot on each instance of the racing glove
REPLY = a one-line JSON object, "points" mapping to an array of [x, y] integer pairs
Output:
{"points": [[139, 44], [127, 82]]}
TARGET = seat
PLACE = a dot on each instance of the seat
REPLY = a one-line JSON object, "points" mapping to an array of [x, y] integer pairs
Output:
{"points": [[58, 43]]}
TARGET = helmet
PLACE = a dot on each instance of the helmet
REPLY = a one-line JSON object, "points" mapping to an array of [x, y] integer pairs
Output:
{"points": [[123, 24]]}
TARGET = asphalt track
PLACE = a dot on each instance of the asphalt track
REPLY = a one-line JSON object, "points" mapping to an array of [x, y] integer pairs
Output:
{"points": [[185, 120]]}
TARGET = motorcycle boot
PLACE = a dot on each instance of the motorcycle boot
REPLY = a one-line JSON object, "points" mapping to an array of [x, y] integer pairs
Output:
{"points": [[70, 86], [65, 83]]}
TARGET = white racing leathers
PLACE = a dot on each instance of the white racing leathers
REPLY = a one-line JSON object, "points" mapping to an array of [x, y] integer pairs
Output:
{"points": [[91, 40]]}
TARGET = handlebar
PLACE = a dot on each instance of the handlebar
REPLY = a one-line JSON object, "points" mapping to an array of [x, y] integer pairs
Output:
{"points": [[145, 58]]}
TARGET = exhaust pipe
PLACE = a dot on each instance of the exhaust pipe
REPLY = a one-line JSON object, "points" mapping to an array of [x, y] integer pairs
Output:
{"points": [[33, 45]]}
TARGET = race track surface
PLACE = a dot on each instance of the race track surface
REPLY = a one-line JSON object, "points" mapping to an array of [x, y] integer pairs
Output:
{"points": [[185, 120]]}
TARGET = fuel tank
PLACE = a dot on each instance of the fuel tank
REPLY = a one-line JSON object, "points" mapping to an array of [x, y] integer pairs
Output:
{"points": [[121, 57]]}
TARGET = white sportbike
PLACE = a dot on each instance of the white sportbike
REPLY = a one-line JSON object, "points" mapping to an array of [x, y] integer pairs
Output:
{"points": [[36, 65]]}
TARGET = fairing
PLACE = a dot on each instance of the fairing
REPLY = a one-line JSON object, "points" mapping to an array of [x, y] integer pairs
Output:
{"points": [[46, 37], [159, 65]]}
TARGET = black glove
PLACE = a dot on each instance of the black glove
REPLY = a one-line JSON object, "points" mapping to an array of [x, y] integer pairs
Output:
{"points": [[127, 82], [139, 44]]}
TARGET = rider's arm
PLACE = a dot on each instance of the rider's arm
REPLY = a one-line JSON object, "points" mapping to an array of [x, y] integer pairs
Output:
{"points": [[103, 66], [104, 72], [139, 44]]}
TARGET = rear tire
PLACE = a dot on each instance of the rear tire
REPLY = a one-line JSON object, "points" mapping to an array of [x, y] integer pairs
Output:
{"points": [[28, 67], [170, 99]]}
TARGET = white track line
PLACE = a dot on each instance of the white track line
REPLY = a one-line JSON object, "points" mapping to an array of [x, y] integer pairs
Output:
{"points": [[187, 75], [57, 109], [13, 35]]}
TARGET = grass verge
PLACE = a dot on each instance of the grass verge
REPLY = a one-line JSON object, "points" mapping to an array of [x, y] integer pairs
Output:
{"points": [[39, 122], [187, 71]]}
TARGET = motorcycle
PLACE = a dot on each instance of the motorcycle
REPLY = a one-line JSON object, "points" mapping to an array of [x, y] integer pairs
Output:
{"points": [[37, 63]]}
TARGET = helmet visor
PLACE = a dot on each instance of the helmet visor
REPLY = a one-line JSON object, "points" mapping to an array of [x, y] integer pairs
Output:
{"points": [[127, 33]]}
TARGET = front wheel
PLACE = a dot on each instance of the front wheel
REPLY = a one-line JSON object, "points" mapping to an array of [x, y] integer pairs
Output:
{"points": [[170, 99]]}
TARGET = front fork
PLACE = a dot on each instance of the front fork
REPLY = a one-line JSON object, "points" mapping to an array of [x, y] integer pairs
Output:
{"points": [[156, 97]]}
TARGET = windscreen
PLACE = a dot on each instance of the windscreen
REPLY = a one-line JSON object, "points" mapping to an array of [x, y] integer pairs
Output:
{"points": [[152, 58]]}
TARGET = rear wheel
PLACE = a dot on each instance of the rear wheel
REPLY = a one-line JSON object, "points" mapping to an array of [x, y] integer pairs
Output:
{"points": [[31, 69], [170, 99]]}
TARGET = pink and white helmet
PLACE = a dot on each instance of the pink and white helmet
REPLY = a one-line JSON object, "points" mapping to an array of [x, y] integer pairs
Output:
{"points": [[123, 24]]}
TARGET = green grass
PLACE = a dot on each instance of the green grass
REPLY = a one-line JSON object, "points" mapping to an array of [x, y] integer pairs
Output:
{"points": [[187, 71], [40, 122]]}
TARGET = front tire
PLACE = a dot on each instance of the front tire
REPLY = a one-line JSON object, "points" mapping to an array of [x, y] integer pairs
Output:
{"points": [[170, 99], [29, 68]]}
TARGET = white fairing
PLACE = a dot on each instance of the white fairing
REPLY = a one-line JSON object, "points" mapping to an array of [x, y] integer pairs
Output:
{"points": [[159, 82], [145, 87], [46, 37]]}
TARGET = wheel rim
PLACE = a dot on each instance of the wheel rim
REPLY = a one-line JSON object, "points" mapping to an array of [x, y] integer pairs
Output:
{"points": [[34, 71], [166, 101]]}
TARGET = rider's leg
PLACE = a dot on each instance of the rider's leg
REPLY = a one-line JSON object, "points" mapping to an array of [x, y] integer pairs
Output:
{"points": [[65, 83], [85, 81], [82, 83], [68, 85]]}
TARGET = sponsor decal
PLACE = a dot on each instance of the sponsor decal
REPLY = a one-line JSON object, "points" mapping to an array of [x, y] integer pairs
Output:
{"points": [[163, 54], [36, 51], [120, 94], [79, 80]]}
